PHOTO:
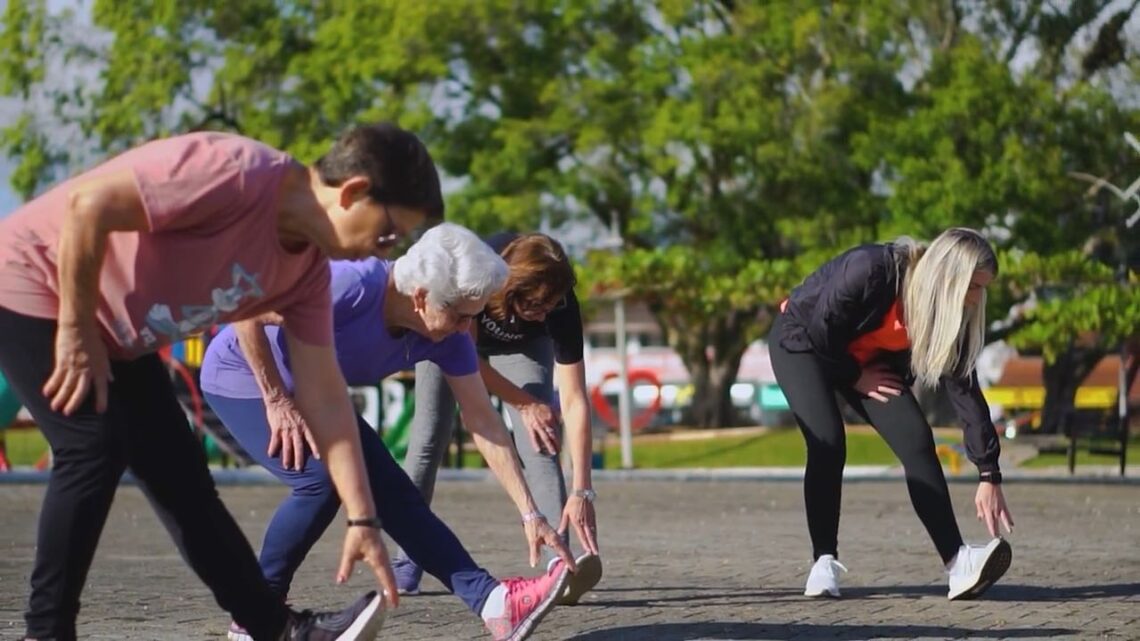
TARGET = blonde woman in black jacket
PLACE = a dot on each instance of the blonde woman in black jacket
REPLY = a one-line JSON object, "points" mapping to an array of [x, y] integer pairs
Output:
{"points": [[867, 325]]}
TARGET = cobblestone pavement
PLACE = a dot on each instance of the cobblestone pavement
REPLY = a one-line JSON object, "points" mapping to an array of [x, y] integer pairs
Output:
{"points": [[684, 561]]}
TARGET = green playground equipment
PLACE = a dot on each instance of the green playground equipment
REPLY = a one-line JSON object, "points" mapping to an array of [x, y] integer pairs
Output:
{"points": [[396, 437], [214, 453], [9, 405]]}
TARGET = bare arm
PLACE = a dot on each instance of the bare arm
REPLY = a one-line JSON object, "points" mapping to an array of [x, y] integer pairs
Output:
{"points": [[494, 443], [322, 397], [288, 431], [571, 380], [98, 207], [498, 385], [539, 418], [492, 438], [255, 347], [579, 509]]}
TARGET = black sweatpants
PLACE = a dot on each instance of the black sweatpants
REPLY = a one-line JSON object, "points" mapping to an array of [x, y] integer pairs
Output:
{"points": [[900, 421], [145, 430]]}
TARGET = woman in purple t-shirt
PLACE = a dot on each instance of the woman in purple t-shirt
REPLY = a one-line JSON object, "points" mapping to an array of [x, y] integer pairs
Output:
{"points": [[388, 317]]}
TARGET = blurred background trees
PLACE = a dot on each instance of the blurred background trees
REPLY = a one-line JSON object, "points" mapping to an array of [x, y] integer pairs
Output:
{"points": [[733, 145]]}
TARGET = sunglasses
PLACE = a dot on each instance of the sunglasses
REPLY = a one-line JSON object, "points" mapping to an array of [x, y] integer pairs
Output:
{"points": [[530, 306]]}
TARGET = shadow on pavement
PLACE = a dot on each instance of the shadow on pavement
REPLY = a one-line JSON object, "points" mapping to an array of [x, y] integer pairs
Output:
{"points": [[687, 595], [1005, 592], [713, 631], [1000, 592]]}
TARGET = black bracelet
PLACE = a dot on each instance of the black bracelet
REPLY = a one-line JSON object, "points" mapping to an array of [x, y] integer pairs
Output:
{"points": [[990, 477], [372, 522]]}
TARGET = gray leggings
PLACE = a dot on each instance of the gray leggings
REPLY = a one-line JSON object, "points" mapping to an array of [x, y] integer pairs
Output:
{"points": [[530, 368]]}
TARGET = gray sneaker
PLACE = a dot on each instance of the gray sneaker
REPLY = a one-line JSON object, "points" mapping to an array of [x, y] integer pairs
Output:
{"points": [[588, 575], [408, 576], [360, 621]]}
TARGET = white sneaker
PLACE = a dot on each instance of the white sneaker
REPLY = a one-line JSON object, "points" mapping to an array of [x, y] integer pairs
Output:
{"points": [[824, 577], [978, 567]]}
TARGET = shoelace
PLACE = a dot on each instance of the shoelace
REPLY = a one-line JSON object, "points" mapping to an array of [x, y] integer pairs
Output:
{"points": [[513, 584], [834, 563]]}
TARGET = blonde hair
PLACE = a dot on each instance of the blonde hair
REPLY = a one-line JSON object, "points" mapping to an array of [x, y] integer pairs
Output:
{"points": [[945, 338]]}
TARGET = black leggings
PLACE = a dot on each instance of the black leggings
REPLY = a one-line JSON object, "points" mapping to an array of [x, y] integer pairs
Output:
{"points": [[811, 396], [145, 430]]}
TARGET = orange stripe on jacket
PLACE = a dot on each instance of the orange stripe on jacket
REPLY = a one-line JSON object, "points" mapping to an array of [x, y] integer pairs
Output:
{"points": [[890, 336]]}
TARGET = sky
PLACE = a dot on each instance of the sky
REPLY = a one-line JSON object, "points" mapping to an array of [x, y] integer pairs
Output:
{"points": [[8, 200], [9, 108]]}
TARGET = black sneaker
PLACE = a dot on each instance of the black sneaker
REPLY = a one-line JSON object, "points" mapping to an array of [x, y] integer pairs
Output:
{"points": [[360, 621]]}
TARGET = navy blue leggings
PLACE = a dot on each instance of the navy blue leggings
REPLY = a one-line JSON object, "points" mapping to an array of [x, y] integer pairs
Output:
{"points": [[309, 509]]}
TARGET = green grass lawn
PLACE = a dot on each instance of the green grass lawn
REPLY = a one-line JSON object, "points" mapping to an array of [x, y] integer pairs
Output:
{"points": [[24, 447], [780, 448], [783, 448], [776, 448]]}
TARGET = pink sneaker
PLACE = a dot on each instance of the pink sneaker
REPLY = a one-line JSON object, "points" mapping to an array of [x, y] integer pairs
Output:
{"points": [[528, 600]]}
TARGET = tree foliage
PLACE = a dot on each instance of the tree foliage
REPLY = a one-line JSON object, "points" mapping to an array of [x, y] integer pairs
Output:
{"points": [[735, 145]]}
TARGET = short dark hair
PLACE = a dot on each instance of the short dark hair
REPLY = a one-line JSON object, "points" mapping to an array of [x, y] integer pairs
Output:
{"points": [[396, 162]]}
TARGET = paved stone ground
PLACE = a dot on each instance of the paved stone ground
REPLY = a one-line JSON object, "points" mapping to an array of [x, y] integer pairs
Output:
{"points": [[685, 561]]}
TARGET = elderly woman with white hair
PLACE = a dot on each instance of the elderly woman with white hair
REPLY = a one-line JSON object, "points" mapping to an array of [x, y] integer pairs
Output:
{"points": [[387, 317]]}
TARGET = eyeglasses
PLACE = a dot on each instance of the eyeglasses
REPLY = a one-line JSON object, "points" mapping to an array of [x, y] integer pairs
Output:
{"points": [[393, 236], [535, 307]]}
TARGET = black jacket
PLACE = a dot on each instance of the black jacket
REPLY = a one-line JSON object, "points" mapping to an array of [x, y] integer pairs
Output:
{"points": [[849, 296]]}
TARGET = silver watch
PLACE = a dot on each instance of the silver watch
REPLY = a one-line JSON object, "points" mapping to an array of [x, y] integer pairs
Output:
{"points": [[589, 495]]}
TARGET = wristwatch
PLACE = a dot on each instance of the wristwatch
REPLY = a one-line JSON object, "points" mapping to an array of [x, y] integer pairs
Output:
{"points": [[990, 477], [588, 495], [371, 522]]}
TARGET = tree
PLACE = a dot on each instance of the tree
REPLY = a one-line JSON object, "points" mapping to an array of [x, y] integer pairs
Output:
{"points": [[1084, 312], [702, 138], [734, 145], [986, 146], [651, 114]]}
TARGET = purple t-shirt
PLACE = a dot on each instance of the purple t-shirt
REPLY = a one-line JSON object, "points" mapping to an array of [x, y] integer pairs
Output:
{"points": [[367, 353]]}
